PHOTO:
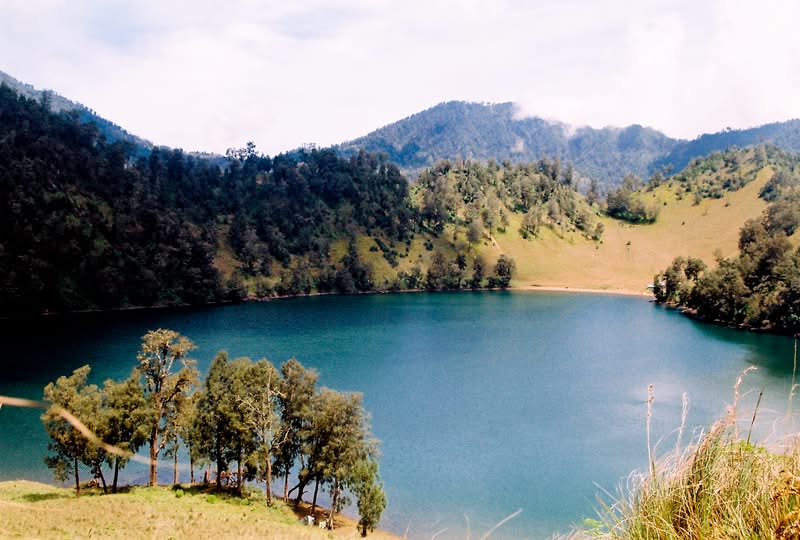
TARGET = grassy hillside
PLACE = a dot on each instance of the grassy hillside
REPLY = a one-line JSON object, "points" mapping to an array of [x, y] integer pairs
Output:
{"points": [[33, 510], [629, 255]]}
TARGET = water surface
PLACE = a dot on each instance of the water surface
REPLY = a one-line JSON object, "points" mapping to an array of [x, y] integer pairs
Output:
{"points": [[485, 403]]}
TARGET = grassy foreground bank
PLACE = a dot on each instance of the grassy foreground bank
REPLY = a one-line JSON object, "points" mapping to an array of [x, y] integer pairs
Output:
{"points": [[34, 510], [720, 486]]}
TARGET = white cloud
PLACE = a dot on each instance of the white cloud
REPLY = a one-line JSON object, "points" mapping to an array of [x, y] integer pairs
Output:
{"points": [[208, 75]]}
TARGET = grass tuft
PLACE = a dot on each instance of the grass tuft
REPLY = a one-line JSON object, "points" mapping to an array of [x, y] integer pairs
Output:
{"points": [[719, 486]]}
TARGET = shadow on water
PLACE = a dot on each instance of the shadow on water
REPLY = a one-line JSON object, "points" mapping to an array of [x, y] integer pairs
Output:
{"points": [[771, 352]]}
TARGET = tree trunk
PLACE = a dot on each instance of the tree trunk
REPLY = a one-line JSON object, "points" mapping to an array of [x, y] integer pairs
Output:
{"points": [[239, 472], [301, 488], [314, 500], [219, 471], [191, 468], [175, 469], [269, 481], [286, 486], [77, 479], [334, 501], [154, 456], [99, 474], [116, 474]]}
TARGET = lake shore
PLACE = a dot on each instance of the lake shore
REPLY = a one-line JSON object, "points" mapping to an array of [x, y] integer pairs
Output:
{"points": [[161, 307], [583, 290]]}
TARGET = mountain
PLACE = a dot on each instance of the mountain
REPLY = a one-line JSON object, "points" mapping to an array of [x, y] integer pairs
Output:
{"points": [[481, 131], [784, 135], [57, 103]]}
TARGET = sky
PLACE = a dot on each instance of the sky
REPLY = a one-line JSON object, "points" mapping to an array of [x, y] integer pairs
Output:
{"points": [[211, 75]]}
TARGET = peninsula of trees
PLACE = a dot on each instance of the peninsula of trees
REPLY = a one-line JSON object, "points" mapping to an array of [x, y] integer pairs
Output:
{"points": [[271, 422]]}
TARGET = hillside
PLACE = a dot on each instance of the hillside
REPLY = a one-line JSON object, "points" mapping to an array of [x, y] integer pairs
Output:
{"points": [[57, 103], [87, 223], [33, 510], [457, 129], [629, 255]]}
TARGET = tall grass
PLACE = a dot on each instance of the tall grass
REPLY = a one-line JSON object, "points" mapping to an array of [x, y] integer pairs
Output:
{"points": [[718, 486]]}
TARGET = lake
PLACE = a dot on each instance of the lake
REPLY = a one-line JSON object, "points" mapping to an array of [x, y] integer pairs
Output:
{"points": [[485, 403]]}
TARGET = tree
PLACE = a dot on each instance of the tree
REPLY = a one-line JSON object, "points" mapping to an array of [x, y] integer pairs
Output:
{"points": [[478, 266], [298, 386], [185, 411], [503, 271], [219, 428], [438, 272], [162, 387], [126, 418], [368, 489], [68, 445], [260, 404], [336, 440], [531, 221]]}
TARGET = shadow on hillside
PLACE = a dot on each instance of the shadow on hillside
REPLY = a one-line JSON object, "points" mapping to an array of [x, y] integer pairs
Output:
{"points": [[37, 497]]}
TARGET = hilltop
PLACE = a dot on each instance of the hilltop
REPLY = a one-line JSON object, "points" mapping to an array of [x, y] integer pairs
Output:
{"points": [[58, 103], [478, 131], [481, 131]]}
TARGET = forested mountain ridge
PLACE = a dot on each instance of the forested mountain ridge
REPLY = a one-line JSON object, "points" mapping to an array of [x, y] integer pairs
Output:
{"points": [[90, 223], [478, 131], [784, 135], [86, 223], [111, 131], [457, 129]]}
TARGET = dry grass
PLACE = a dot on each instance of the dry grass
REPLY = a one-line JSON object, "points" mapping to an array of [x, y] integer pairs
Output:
{"points": [[33, 510], [630, 255], [719, 486]]}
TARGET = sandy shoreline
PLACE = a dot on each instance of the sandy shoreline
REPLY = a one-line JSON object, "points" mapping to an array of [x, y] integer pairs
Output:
{"points": [[541, 288], [617, 292]]}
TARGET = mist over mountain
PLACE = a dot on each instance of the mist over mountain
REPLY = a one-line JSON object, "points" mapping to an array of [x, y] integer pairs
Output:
{"points": [[482, 131]]}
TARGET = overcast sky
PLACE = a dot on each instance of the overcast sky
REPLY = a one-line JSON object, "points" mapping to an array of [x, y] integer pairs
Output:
{"points": [[209, 75]]}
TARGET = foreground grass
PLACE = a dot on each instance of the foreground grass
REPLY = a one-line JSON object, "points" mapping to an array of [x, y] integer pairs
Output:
{"points": [[721, 486], [34, 510]]}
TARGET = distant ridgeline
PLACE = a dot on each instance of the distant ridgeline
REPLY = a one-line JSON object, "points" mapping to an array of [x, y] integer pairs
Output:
{"points": [[57, 103], [761, 287], [484, 131]]}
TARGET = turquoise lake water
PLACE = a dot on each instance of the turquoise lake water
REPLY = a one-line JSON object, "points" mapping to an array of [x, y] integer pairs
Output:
{"points": [[485, 403]]}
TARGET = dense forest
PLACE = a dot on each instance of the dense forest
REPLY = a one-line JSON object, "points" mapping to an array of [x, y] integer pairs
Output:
{"points": [[268, 421], [760, 288], [475, 131], [90, 224], [481, 198], [478, 131]]}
